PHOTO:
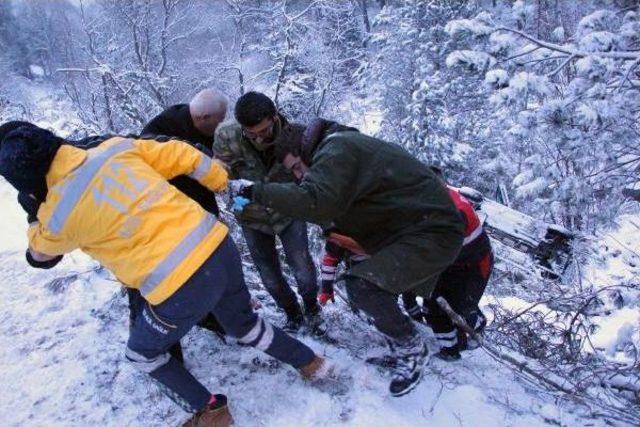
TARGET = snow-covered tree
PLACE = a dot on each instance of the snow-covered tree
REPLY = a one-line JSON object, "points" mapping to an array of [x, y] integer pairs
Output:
{"points": [[566, 107], [429, 108], [127, 71]]}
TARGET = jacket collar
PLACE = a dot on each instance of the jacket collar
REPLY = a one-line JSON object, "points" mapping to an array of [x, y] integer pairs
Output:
{"points": [[316, 135]]}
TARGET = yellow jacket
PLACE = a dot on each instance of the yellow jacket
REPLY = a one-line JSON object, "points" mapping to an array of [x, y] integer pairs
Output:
{"points": [[114, 203]]}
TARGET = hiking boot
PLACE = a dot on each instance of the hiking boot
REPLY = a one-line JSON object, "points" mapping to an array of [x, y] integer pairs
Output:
{"points": [[325, 376], [214, 415], [411, 357], [317, 369]]}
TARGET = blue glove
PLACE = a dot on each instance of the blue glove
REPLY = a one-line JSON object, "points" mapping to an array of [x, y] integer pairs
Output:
{"points": [[239, 203]]}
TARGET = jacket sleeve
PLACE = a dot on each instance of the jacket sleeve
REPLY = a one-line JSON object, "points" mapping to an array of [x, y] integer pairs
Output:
{"points": [[324, 194], [176, 157], [42, 240], [222, 150]]}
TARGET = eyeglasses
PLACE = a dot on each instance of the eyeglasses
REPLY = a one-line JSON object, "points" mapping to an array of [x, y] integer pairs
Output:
{"points": [[259, 133]]}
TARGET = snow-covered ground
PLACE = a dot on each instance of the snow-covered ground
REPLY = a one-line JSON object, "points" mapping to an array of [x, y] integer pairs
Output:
{"points": [[618, 320], [64, 333], [62, 364]]}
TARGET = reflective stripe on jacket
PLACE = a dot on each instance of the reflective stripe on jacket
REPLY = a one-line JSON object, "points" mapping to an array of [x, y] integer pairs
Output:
{"points": [[114, 203], [472, 225], [476, 245]]}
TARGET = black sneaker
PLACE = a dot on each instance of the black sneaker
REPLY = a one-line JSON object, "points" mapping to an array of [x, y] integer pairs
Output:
{"points": [[449, 354], [313, 320], [411, 357], [293, 324], [294, 319]]}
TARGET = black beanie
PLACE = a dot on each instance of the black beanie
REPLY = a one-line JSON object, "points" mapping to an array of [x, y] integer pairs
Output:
{"points": [[25, 157], [8, 127]]}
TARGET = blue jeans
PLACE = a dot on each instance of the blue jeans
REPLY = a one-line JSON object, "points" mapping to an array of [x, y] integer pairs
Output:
{"points": [[218, 287], [295, 243]]}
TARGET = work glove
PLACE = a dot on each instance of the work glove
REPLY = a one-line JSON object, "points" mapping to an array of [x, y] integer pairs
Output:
{"points": [[325, 297], [239, 204], [241, 191]]}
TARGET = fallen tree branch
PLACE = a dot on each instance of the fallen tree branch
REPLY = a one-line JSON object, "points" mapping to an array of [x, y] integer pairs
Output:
{"points": [[523, 368]]}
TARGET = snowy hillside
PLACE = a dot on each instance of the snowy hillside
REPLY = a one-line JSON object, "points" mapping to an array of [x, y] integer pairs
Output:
{"points": [[533, 103], [62, 364]]}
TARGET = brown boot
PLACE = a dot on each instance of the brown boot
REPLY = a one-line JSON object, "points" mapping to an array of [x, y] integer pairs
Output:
{"points": [[324, 375], [216, 415], [318, 368]]}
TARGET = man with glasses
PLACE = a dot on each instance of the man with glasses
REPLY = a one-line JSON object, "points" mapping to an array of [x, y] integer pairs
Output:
{"points": [[396, 209], [247, 147]]}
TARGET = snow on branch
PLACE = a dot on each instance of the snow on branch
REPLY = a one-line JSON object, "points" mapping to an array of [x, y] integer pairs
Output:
{"points": [[481, 26], [628, 55], [473, 59]]}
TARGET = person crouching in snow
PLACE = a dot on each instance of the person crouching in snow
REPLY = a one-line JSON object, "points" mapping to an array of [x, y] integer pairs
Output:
{"points": [[392, 205], [461, 285], [115, 204]]}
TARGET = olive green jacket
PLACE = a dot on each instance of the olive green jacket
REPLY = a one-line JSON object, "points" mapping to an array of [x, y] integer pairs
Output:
{"points": [[385, 199]]}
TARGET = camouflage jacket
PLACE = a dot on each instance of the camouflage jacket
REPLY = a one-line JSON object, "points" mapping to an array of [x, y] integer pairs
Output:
{"points": [[247, 162]]}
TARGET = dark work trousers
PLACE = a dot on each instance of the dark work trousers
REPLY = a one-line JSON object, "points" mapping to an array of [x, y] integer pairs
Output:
{"points": [[218, 287], [136, 303], [207, 199], [462, 285], [295, 243], [382, 307]]}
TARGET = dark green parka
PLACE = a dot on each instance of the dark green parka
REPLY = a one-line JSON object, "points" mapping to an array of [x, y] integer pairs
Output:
{"points": [[384, 198]]}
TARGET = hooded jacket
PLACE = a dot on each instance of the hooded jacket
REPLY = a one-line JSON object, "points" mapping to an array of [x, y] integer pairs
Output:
{"points": [[115, 204]]}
